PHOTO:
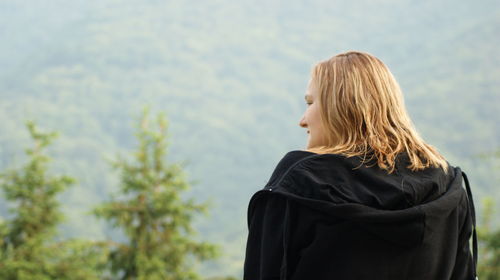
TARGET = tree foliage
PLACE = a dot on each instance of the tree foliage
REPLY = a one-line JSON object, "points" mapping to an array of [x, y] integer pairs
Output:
{"points": [[489, 242], [27, 246], [152, 215]]}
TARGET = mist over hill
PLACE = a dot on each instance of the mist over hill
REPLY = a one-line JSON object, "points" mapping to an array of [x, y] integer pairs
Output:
{"points": [[230, 76]]}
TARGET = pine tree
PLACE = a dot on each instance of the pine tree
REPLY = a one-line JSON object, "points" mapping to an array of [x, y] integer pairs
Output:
{"points": [[489, 241], [152, 215], [27, 246]]}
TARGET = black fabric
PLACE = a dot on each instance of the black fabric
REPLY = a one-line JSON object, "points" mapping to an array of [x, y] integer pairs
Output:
{"points": [[473, 218], [331, 217]]}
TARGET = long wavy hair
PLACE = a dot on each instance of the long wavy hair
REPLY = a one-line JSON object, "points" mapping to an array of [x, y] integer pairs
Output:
{"points": [[363, 112]]}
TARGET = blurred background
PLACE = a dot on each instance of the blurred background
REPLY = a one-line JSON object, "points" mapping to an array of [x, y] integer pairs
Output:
{"points": [[230, 77]]}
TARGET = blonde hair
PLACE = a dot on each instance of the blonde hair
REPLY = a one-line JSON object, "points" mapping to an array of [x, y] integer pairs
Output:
{"points": [[363, 112]]}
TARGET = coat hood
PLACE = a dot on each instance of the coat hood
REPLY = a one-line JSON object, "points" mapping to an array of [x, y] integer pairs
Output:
{"points": [[396, 207], [353, 207]]}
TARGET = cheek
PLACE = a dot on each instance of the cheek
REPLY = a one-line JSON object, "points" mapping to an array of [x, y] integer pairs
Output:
{"points": [[314, 115]]}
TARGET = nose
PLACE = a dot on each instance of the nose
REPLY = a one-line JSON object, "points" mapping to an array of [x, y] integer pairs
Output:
{"points": [[302, 122]]}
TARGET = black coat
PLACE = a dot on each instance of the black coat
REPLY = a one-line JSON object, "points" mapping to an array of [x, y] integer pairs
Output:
{"points": [[326, 216]]}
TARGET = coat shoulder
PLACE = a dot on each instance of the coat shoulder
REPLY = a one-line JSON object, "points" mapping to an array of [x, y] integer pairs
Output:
{"points": [[287, 163]]}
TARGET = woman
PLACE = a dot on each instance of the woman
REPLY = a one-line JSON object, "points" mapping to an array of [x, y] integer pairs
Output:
{"points": [[368, 199]]}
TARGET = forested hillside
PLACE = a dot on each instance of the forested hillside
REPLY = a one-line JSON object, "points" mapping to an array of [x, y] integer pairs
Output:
{"points": [[230, 77]]}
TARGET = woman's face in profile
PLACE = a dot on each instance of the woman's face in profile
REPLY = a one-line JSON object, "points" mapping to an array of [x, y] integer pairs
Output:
{"points": [[311, 118]]}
